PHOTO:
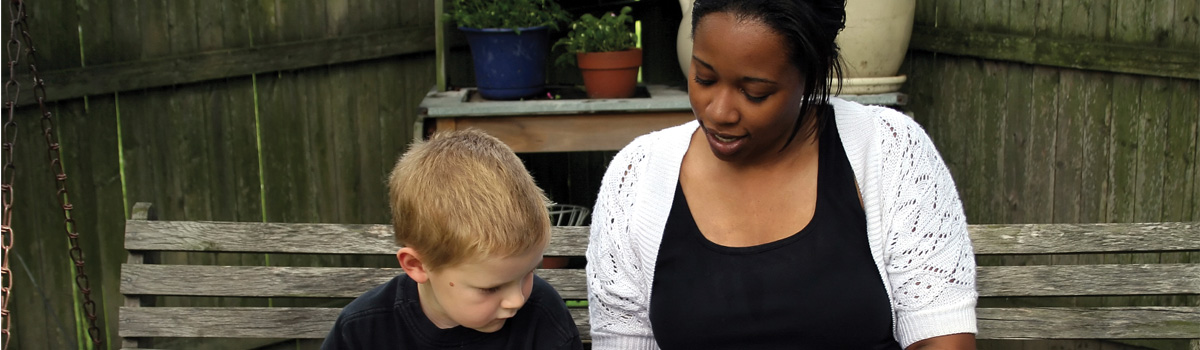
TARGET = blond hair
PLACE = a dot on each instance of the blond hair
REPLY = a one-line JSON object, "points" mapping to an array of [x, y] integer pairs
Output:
{"points": [[465, 194]]}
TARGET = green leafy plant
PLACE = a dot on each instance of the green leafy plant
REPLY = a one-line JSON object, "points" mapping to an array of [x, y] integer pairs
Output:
{"points": [[610, 32], [508, 14]]}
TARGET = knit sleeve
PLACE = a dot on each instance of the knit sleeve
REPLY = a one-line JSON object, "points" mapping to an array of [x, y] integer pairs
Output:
{"points": [[930, 262], [618, 302]]}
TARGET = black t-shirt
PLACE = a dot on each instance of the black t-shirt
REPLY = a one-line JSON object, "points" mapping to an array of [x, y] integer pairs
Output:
{"points": [[390, 317], [816, 289]]}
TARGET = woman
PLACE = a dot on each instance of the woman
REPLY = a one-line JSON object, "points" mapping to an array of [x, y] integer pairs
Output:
{"points": [[781, 217]]}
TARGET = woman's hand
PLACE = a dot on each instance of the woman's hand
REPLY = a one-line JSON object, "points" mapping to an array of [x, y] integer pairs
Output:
{"points": [[961, 341]]}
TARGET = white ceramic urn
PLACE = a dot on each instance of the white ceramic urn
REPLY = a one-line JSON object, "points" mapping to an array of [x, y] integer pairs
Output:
{"points": [[874, 44], [683, 40]]}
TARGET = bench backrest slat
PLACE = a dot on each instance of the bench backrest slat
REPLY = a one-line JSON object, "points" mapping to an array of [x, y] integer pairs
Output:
{"points": [[247, 322], [337, 282], [290, 282], [572, 240], [1085, 238], [994, 323], [1082, 323], [259, 237]]}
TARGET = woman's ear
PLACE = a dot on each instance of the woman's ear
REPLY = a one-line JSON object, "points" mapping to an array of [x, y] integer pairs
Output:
{"points": [[410, 261]]}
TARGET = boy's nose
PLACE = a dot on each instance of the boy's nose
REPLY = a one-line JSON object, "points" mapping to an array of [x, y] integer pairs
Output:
{"points": [[514, 299]]}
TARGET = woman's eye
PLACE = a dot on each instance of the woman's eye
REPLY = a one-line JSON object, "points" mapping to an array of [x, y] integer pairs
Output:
{"points": [[702, 81], [754, 98]]}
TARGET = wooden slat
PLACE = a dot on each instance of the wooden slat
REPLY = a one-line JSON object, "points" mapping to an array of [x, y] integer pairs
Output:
{"points": [[255, 237], [213, 322], [218, 64], [1089, 323], [1085, 280], [207, 322], [572, 241], [993, 281], [299, 282], [994, 323], [1085, 238], [1081, 54]]}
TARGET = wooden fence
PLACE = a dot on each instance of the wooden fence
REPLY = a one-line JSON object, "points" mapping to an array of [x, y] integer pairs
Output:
{"points": [[213, 110], [1064, 112], [293, 111]]}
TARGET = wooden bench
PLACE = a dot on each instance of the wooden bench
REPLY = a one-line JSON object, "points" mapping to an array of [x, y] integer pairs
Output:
{"points": [[139, 321]]}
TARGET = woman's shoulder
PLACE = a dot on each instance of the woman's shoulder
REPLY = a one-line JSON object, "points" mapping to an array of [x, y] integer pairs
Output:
{"points": [[664, 141], [876, 124]]}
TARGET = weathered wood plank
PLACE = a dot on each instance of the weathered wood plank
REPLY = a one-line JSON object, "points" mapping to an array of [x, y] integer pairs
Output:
{"points": [[1084, 238], [1039, 188], [1123, 170], [1081, 323], [295, 237], [1068, 144], [1085, 280], [88, 133], [340, 282], [1152, 140], [572, 240], [994, 323], [309, 322], [42, 289], [211, 65], [1054, 52], [303, 323], [295, 282]]}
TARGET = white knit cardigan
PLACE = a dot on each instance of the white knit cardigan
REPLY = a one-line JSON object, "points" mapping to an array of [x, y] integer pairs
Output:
{"points": [[915, 226]]}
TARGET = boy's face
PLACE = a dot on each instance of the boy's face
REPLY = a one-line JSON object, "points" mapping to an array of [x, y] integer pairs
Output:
{"points": [[479, 294]]}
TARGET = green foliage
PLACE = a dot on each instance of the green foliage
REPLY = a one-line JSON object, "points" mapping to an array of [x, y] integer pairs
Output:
{"points": [[610, 32], [509, 14]]}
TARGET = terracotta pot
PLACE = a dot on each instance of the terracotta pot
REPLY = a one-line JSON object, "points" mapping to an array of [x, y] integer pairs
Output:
{"points": [[554, 262], [610, 74]]}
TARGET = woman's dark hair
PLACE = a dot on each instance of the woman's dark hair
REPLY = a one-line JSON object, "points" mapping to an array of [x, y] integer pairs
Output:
{"points": [[809, 28]]}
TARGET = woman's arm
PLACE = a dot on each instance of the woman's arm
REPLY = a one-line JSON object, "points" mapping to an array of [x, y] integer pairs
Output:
{"points": [[928, 255], [618, 303], [961, 341]]}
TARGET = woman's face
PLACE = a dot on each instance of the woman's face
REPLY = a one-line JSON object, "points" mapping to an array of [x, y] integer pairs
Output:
{"points": [[743, 89]]}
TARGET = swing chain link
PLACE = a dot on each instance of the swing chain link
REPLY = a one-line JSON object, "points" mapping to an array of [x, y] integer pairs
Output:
{"points": [[12, 87], [60, 177]]}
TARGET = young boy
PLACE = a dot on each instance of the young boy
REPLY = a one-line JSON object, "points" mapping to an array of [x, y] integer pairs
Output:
{"points": [[472, 226]]}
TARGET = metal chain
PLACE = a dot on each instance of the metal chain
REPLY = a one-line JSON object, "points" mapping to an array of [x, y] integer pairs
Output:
{"points": [[60, 175], [13, 89]]}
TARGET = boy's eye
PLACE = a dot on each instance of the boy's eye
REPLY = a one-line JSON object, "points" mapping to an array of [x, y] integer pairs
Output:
{"points": [[490, 290]]}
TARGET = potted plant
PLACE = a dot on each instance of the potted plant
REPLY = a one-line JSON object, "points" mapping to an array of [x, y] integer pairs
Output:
{"points": [[509, 43], [607, 54]]}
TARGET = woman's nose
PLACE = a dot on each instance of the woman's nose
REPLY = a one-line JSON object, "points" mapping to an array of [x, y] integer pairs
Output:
{"points": [[721, 109]]}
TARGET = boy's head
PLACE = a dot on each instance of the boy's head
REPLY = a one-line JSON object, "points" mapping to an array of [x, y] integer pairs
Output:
{"points": [[472, 225], [463, 195]]}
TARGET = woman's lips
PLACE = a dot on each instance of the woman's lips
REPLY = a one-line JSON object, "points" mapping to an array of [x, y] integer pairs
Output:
{"points": [[724, 145]]}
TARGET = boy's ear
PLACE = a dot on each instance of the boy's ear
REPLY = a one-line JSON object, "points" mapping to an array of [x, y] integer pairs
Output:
{"points": [[411, 262]]}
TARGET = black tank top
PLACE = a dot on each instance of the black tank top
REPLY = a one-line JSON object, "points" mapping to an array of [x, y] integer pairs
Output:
{"points": [[816, 289]]}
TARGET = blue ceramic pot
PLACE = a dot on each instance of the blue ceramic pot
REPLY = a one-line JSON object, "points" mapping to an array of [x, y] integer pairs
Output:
{"points": [[508, 65]]}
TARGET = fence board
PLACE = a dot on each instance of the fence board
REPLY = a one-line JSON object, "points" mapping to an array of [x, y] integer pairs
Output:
{"points": [[88, 134], [1151, 148], [40, 243]]}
